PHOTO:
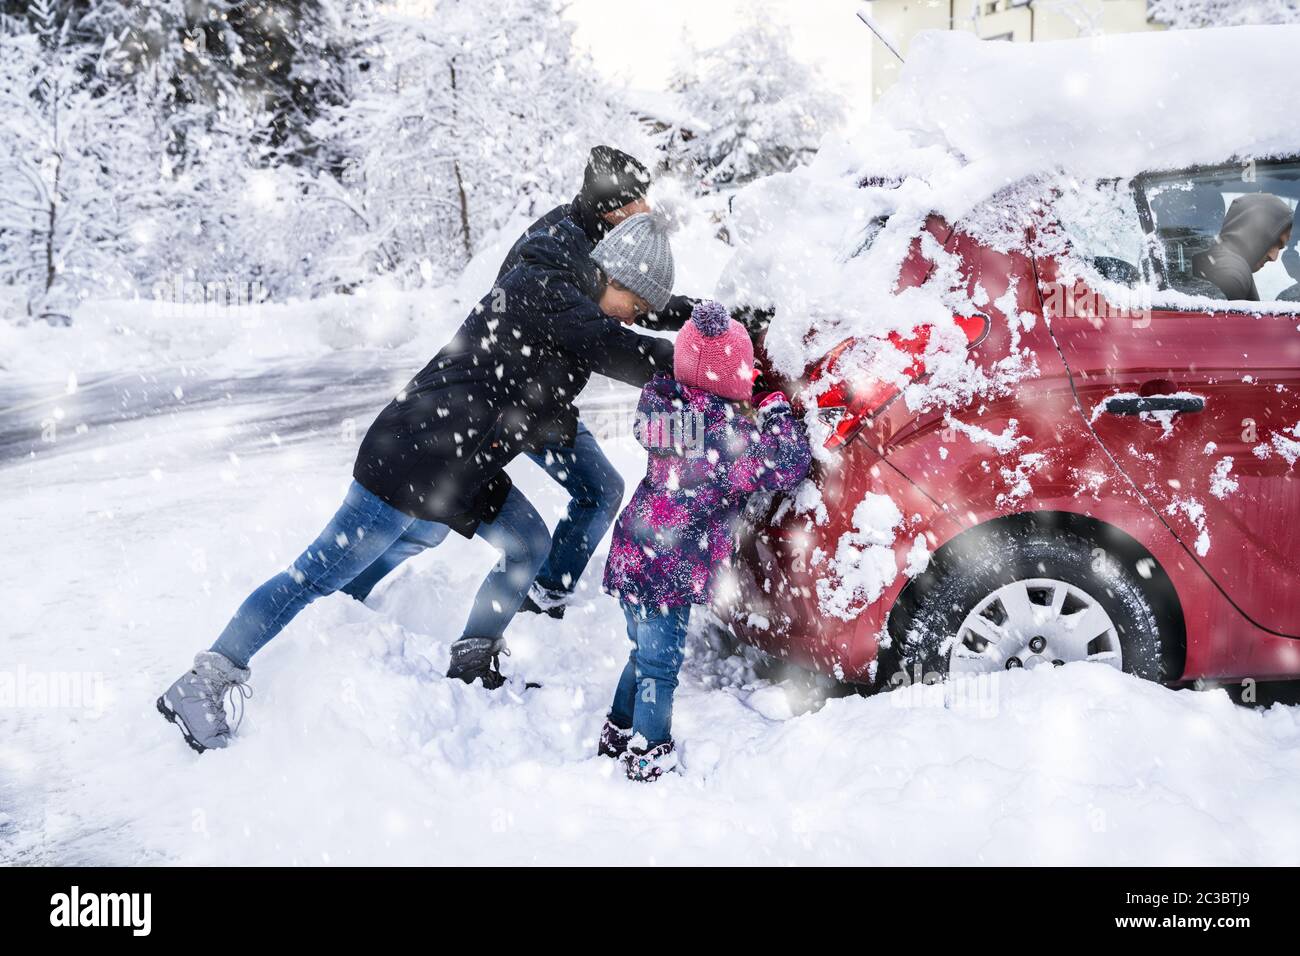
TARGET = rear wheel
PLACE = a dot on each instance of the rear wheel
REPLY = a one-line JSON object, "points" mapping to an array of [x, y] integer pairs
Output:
{"points": [[1011, 598]]}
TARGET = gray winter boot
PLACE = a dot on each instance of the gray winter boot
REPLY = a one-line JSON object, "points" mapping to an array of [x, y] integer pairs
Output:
{"points": [[196, 702]]}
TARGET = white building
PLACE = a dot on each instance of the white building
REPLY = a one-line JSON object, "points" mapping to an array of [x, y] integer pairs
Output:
{"points": [[1017, 20]]}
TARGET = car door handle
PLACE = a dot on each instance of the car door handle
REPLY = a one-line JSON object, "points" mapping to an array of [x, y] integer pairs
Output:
{"points": [[1137, 404]]}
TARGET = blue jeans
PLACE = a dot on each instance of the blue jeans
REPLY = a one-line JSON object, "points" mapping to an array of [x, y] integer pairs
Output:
{"points": [[595, 493], [363, 531], [643, 699], [418, 536]]}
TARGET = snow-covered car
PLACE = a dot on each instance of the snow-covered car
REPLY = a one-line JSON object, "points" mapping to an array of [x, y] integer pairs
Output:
{"points": [[1106, 473]]}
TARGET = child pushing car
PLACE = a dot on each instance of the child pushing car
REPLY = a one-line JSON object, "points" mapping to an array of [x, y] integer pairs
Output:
{"points": [[706, 456]]}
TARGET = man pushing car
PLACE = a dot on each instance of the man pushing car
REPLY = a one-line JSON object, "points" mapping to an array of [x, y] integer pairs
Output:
{"points": [[434, 459]]}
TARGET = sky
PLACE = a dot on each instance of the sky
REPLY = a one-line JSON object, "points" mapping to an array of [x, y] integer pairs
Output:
{"points": [[637, 41]]}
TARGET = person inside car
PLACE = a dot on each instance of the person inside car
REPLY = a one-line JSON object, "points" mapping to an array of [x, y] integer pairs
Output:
{"points": [[1255, 230]]}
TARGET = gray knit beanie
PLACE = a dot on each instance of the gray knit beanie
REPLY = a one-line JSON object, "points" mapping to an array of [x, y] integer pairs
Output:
{"points": [[637, 256]]}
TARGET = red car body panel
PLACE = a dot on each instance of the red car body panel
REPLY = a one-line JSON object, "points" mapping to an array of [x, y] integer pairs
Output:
{"points": [[1113, 469]]}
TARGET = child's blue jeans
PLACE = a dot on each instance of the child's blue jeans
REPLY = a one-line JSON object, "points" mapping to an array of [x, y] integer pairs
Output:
{"points": [[643, 700]]}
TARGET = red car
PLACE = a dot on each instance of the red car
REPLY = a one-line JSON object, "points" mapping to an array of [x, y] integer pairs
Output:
{"points": [[1148, 515]]}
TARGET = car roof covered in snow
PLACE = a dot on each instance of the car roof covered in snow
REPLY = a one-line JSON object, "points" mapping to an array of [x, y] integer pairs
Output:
{"points": [[1112, 105]]}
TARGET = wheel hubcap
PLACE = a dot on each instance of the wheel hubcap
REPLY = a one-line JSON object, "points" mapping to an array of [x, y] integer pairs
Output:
{"points": [[1039, 621]]}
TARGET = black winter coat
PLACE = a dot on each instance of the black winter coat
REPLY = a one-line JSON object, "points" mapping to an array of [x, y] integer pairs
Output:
{"points": [[504, 384]]}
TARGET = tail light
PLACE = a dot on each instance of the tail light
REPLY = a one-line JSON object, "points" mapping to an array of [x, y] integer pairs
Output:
{"points": [[850, 405]]}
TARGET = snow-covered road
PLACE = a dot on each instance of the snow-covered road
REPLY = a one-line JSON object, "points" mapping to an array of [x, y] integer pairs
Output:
{"points": [[130, 540]]}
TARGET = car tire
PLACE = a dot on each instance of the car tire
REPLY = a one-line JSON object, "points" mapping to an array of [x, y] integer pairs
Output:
{"points": [[926, 625]]}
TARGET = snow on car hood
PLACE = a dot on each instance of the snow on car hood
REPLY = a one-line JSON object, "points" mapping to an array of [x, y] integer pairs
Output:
{"points": [[968, 119], [1112, 105]]}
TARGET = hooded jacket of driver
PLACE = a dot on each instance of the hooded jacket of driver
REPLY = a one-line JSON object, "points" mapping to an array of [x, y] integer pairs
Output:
{"points": [[1253, 226]]}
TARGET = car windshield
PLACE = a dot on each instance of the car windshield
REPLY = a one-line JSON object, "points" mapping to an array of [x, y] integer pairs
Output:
{"points": [[1227, 233]]}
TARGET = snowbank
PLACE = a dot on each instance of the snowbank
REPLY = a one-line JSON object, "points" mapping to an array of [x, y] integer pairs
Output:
{"points": [[119, 335], [355, 750], [230, 327]]}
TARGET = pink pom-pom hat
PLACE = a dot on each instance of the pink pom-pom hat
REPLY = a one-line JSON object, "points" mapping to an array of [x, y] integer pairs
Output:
{"points": [[714, 353]]}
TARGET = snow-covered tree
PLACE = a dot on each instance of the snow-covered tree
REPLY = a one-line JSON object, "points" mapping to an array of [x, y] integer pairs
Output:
{"points": [[454, 126], [134, 154], [1183, 14], [72, 149], [145, 143], [281, 56], [234, 211], [766, 111]]}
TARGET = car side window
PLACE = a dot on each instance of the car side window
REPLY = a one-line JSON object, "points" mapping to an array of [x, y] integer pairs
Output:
{"points": [[1100, 221], [1227, 233]]}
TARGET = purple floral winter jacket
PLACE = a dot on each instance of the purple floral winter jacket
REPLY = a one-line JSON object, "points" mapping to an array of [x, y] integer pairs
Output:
{"points": [[706, 458]]}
